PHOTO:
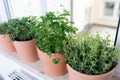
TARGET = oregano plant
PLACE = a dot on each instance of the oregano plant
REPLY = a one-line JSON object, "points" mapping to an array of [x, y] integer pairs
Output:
{"points": [[22, 29], [90, 54], [3, 28], [53, 31]]}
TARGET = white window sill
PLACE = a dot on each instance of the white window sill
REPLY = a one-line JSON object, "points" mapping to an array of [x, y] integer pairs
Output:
{"points": [[11, 62]]}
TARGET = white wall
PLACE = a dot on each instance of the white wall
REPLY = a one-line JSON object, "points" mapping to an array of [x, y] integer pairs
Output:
{"points": [[79, 15]]}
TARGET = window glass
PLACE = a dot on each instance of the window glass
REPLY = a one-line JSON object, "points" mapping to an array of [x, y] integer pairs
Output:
{"points": [[87, 17], [118, 10], [86, 14], [22, 8], [109, 8], [55, 5]]}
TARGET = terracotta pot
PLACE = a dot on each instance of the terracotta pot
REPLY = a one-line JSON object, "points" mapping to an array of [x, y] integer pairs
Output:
{"points": [[27, 51], [75, 75], [7, 44], [49, 67]]}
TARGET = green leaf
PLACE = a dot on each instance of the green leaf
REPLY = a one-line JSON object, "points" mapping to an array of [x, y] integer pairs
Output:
{"points": [[56, 60]]}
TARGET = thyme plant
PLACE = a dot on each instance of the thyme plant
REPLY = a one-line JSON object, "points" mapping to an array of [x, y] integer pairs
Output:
{"points": [[91, 55]]}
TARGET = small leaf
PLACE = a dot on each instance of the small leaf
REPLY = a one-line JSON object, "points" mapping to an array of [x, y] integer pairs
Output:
{"points": [[56, 60]]}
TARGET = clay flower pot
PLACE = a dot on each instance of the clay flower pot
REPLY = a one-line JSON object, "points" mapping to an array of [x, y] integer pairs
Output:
{"points": [[49, 67], [75, 75], [6, 44], [27, 51]]}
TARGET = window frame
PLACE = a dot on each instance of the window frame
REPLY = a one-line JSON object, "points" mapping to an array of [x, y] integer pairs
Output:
{"points": [[115, 10], [106, 7]]}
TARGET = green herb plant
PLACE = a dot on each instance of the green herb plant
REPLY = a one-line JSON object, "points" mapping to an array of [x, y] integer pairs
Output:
{"points": [[22, 29], [3, 28], [91, 55], [53, 31]]}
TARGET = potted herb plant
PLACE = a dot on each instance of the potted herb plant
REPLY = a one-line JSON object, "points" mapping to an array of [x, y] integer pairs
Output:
{"points": [[23, 34], [91, 57], [5, 41], [53, 31]]}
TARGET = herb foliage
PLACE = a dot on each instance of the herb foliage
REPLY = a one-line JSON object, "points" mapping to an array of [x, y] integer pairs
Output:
{"points": [[3, 28], [22, 29], [53, 31], [91, 55]]}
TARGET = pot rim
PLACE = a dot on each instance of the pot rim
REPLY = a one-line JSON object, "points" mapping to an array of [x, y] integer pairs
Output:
{"points": [[24, 41], [92, 75]]}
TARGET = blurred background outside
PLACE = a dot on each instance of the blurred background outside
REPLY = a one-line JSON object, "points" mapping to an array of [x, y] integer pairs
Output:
{"points": [[88, 15]]}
